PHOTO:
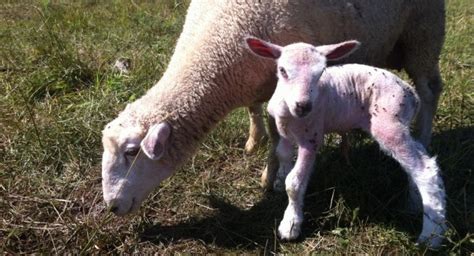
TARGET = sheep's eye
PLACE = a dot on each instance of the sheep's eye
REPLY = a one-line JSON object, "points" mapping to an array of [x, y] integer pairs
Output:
{"points": [[283, 73], [131, 151]]}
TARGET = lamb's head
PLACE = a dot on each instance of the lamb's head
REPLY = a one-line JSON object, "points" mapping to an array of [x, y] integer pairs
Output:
{"points": [[133, 162], [300, 65]]}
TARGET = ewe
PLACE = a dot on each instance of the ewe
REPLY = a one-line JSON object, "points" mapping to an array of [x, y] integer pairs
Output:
{"points": [[311, 100]]}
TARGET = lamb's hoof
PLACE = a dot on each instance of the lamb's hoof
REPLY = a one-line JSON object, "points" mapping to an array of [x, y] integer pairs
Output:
{"points": [[289, 230], [433, 237], [432, 242]]}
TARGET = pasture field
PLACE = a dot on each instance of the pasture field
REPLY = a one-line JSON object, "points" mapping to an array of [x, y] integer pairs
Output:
{"points": [[58, 90]]}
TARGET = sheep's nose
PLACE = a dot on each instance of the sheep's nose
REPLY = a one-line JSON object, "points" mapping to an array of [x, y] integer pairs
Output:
{"points": [[303, 108], [114, 209], [113, 206]]}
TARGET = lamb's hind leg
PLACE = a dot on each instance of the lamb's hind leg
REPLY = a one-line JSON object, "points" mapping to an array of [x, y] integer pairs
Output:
{"points": [[257, 133], [423, 171]]}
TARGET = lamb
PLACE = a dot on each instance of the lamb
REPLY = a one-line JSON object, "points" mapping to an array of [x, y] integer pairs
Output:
{"points": [[311, 100], [210, 74]]}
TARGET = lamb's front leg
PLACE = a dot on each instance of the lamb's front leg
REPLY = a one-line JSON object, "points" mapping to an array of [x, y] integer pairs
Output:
{"points": [[296, 183]]}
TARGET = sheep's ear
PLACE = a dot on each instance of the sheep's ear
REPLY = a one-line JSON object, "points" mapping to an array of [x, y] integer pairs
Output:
{"points": [[263, 48], [338, 51], [153, 145]]}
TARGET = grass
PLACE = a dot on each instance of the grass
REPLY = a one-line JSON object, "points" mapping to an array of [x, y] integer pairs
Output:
{"points": [[58, 89]]}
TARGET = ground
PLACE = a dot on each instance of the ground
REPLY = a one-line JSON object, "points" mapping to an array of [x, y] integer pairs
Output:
{"points": [[58, 88]]}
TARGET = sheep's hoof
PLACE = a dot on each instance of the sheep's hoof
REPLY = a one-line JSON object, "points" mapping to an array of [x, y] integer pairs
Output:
{"points": [[289, 230], [251, 146], [266, 181], [254, 143], [269, 174]]}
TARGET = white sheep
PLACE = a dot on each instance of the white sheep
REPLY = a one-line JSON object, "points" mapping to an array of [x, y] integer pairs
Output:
{"points": [[210, 74], [311, 100]]}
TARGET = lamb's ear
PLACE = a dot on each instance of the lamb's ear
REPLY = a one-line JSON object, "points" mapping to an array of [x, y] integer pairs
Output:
{"points": [[338, 51], [153, 145], [263, 48]]}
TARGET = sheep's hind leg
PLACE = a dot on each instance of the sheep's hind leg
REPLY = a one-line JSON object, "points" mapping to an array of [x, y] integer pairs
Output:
{"points": [[424, 172], [429, 89], [296, 183], [270, 171], [420, 58], [257, 133]]}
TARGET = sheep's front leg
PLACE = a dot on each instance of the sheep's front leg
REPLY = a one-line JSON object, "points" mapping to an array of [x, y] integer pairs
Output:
{"points": [[296, 183]]}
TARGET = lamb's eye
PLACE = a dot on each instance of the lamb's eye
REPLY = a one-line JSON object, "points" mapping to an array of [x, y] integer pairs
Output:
{"points": [[283, 72], [131, 151]]}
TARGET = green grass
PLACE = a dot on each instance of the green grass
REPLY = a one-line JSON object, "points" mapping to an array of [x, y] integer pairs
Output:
{"points": [[58, 89]]}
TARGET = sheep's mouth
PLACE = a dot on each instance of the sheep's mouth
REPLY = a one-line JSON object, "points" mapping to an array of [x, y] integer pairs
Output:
{"points": [[132, 206]]}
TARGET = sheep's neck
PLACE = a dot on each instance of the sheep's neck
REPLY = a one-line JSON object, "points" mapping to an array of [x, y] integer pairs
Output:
{"points": [[211, 73], [194, 101]]}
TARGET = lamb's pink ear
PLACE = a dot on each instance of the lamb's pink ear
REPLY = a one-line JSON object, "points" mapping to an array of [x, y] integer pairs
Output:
{"points": [[263, 48], [153, 145], [338, 51]]}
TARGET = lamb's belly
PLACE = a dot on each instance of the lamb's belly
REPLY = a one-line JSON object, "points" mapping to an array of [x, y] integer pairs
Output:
{"points": [[343, 124]]}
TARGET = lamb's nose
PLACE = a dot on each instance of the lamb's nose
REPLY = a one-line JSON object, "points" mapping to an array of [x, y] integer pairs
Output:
{"points": [[303, 108]]}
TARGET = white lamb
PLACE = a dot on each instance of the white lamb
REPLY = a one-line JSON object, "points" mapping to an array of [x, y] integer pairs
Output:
{"points": [[311, 100]]}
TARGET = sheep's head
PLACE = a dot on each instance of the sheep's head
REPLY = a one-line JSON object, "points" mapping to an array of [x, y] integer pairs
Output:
{"points": [[133, 163], [300, 66]]}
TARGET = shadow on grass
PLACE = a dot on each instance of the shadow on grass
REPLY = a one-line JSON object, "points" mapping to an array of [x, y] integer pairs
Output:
{"points": [[231, 227], [372, 189]]}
